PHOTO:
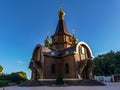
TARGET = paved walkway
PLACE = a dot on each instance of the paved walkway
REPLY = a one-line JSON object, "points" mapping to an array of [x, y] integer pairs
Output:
{"points": [[109, 86]]}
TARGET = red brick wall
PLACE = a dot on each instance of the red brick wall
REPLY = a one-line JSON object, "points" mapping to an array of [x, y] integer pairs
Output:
{"points": [[60, 67], [69, 59]]}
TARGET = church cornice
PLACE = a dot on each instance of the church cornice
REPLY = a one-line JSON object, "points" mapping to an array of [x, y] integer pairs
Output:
{"points": [[62, 34], [61, 42], [61, 55]]}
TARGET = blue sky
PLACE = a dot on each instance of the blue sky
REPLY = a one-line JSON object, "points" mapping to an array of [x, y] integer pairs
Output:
{"points": [[25, 23]]}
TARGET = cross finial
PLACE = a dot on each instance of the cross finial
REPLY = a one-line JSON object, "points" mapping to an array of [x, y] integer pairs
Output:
{"points": [[48, 33], [73, 31], [60, 6]]}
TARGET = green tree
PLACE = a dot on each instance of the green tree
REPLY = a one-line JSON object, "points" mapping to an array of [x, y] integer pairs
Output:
{"points": [[107, 64], [1, 69], [22, 74], [14, 77]]}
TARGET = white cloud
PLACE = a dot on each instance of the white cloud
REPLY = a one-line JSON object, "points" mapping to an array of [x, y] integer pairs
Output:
{"points": [[99, 53], [20, 62]]}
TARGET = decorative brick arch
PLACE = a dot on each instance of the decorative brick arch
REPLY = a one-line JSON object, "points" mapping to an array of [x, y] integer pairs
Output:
{"points": [[34, 51], [86, 45]]}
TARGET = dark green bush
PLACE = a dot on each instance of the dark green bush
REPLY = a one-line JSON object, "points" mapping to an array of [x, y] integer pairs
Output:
{"points": [[4, 83], [59, 81], [11, 78]]}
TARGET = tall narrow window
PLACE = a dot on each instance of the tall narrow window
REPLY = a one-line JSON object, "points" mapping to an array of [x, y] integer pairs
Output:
{"points": [[66, 68], [82, 50], [53, 68]]}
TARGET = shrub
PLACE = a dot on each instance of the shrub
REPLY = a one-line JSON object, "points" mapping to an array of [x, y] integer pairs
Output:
{"points": [[59, 80], [4, 83]]}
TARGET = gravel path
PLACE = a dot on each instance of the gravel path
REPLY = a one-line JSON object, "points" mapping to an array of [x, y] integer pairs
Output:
{"points": [[109, 86]]}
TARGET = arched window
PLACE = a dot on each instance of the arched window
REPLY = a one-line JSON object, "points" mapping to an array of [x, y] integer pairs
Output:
{"points": [[82, 50], [53, 68], [66, 68]]}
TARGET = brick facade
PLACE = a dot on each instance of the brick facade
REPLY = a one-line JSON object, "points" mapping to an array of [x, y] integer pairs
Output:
{"points": [[61, 57]]}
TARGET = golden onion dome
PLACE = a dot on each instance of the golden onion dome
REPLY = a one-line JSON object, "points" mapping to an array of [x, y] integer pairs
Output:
{"points": [[74, 40], [47, 42], [61, 14]]}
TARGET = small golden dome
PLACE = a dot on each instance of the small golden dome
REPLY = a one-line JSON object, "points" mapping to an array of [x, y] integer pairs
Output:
{"points": [[47, 42], [61, 14], [74, 40]]}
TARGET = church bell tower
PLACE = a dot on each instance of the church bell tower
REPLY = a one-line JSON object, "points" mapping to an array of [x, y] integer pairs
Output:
{"points": [[61, 39]]}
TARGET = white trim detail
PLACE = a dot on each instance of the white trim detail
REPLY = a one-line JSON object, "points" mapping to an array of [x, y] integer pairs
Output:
{"points": [[86, 46]]}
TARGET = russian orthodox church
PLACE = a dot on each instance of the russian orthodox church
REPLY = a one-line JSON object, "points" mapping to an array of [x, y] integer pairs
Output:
{"points": [[62, 55]]}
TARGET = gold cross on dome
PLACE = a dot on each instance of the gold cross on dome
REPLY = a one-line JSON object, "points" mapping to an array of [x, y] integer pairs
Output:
{"points": [[73, 31], [48, 33], [60, 6]]}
